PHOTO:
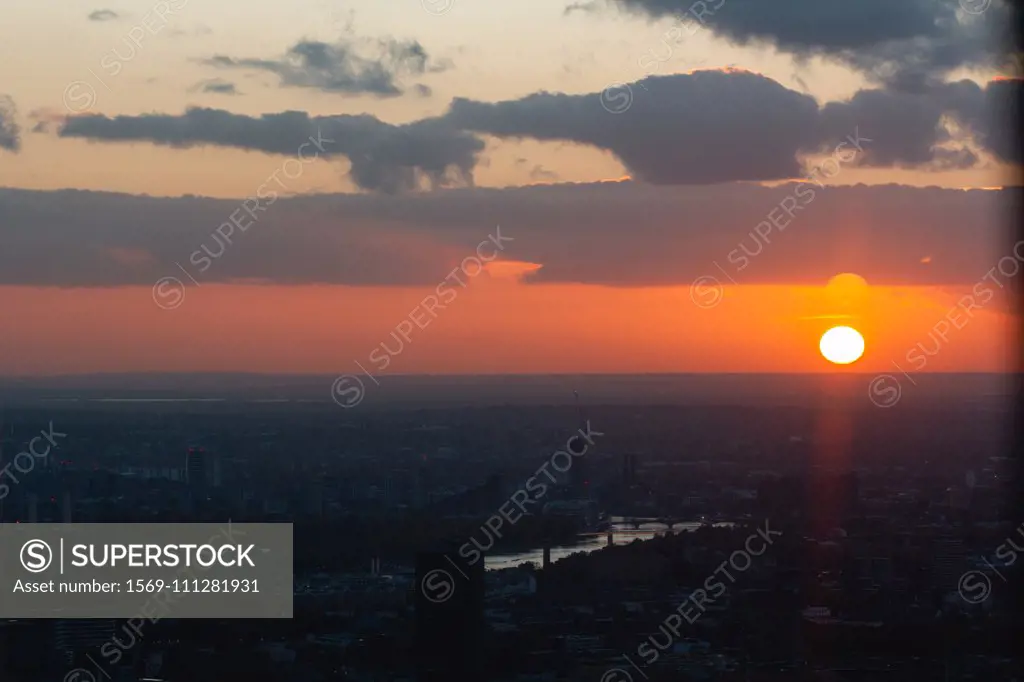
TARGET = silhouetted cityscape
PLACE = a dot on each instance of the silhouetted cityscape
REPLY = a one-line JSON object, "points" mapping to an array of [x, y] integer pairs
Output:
{"points": [[573, 541]]}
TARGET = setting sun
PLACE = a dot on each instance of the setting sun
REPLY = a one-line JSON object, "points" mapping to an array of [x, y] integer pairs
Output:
{"points": [[842, 345]]}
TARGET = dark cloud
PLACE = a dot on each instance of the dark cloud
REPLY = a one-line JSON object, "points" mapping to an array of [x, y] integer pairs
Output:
{"points": [[103, 15], [46, 120], [616, 234], [999, 128], [906, 129], [701, 128], [10, 133], [351, 66], [919, 129], [698, 128], [907, 43], [585, 7], [991, 113], [718, 126], [217, 87], [384, 157]]}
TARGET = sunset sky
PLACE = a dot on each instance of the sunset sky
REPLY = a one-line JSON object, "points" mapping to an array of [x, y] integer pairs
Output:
{"points": [[675, 185]]}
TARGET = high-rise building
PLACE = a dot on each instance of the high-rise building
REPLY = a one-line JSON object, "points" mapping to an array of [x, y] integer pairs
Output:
{"points": [[959, 498], [949, 561], [421, 487], [629, 469], [449, 617], [579, 474], [215, 470], [196, 468]]}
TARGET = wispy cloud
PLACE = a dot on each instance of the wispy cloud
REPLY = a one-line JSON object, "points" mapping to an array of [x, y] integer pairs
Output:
{"points": [[103, 15], [216, 86], [374, 67]]}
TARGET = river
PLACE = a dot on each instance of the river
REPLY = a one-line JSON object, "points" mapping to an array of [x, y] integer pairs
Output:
{"points": [[622, 532]]}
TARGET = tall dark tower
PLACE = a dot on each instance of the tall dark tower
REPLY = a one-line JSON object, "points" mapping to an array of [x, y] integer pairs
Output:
{"points": [[949, 560], [449, 617], [196, 468], [629, 469], [579, 480]]}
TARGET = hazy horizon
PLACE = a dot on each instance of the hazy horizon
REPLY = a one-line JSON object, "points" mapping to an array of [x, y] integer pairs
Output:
{"points": [[851, 390]]}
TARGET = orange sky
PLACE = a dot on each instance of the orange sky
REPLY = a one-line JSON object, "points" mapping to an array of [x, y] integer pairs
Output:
{"points": [[495, 325], [499, 324]]}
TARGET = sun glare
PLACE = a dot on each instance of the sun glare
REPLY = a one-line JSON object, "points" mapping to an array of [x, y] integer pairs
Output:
{"points": [[847, 291], [842, 345]]}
